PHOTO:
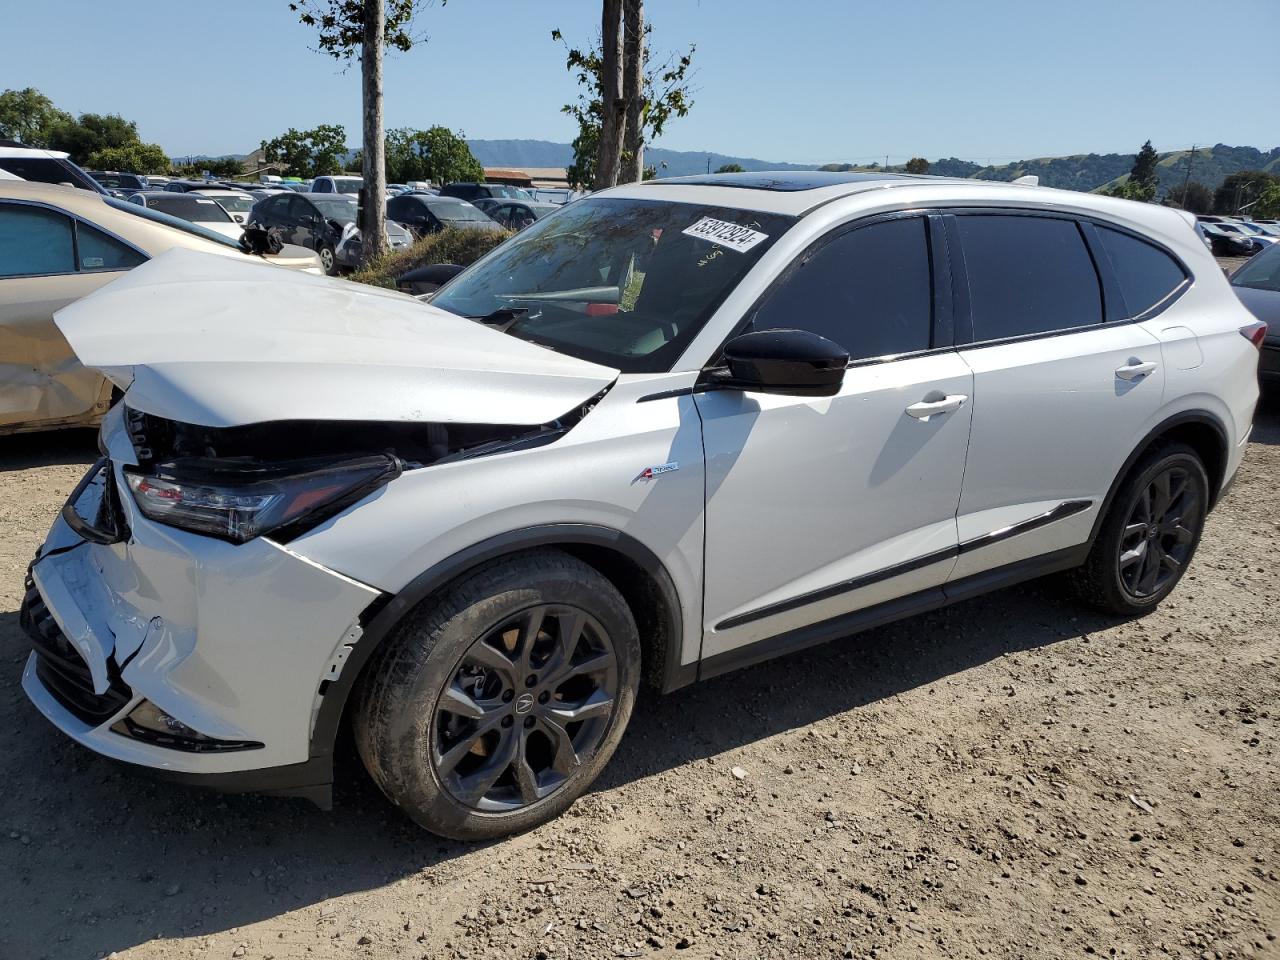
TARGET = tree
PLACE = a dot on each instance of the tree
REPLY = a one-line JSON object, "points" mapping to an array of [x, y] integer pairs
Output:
{"points": [[363, 28], [134, 157], [612, 121], [1241, 188], [89, 133], [730, 168], [218, 166], [631, 169], [308, 153], [1268, 205], [1143, 178], [666, 94], [436, 154], [917, 165], [1194, 197], [28, 115]]}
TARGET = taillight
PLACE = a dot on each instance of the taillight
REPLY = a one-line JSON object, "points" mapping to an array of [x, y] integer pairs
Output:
{"points": [[1255, 333]]}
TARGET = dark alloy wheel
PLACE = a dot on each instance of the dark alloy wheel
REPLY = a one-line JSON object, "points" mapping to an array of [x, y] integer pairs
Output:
{"points": [[497, 702], [1161, 533], [525, 702], [1149, 534]]}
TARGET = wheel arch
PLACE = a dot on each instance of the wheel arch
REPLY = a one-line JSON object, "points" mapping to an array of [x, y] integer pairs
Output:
{"points": [[1198, 429], [631, 566]]}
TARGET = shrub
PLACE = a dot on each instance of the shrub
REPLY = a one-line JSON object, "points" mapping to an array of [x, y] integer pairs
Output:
{"points": [[452, 245]]}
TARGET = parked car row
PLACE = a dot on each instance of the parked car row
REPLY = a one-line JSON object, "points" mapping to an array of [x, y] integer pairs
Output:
{"points": [[1237, 237]]}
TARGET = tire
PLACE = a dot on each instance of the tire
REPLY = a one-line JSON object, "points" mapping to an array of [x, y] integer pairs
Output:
{"points": [[328, 260], [1130, 570], [454, 695]]}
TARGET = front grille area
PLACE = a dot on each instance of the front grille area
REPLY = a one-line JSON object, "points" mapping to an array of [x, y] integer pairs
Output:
{"points": [[63, 671]]}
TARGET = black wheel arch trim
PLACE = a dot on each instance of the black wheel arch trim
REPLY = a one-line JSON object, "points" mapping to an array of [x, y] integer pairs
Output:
{"points": [[386, 612], [1199, 417]]}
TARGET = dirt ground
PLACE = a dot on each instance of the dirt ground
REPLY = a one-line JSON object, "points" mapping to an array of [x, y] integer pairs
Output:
{"points": [[1012, 777]]}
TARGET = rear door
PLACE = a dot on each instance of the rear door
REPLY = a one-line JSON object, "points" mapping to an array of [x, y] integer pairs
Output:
{"points": [[1062, 395], [48, 260], [819, 507]]}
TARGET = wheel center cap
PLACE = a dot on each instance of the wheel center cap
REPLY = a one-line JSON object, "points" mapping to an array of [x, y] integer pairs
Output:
{"points": [[524, 703]]}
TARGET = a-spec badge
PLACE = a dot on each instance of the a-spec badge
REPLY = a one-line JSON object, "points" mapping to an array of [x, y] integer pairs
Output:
{"points": [[648, 473]]}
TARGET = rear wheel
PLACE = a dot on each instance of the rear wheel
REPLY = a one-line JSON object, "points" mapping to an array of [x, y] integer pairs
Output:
{"points": [[492, 710], [1149, 535]]}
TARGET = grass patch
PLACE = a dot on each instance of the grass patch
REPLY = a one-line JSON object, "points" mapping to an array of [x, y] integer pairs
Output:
{"points": [[451, 245]]}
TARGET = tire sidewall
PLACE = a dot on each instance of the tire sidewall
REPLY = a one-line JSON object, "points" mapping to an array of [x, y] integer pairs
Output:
{"points": [[404, 770]]}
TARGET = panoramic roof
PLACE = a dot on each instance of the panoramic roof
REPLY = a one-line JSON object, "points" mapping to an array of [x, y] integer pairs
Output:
{"points": [[784, 181]]}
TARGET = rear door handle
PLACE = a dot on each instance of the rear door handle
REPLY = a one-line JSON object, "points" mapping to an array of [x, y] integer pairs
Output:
{"points": [[1135, 369], [935, 404]]}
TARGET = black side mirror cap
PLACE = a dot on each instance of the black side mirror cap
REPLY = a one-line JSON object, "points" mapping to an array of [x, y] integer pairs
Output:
{"points": [[788, 362]]}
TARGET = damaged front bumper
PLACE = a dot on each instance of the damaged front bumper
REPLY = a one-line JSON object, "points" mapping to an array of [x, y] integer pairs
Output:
{"points": [[235, 643]]}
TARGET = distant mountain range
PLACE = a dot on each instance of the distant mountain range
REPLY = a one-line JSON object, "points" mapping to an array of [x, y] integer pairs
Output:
{"points": [[1084, 171]]}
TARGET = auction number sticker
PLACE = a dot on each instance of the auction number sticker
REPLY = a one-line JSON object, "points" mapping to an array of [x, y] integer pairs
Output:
{"points": [[731, 235]]}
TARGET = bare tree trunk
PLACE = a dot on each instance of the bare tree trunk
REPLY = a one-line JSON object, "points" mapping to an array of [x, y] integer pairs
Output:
{"points": [[633, 91], [609, 151], [373, 221]]}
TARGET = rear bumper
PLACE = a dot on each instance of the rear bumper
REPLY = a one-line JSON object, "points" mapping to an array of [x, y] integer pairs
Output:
{"points": [[237, 642]]}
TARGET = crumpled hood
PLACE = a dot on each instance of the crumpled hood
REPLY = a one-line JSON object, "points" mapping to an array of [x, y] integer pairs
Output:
{"points": [[222, 342]]}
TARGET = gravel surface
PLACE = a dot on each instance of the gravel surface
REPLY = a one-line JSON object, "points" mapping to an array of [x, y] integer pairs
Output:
{"points": [[1011, 777]]}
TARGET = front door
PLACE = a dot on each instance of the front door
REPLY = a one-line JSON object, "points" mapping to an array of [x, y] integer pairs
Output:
{"points": [[817, 507]]}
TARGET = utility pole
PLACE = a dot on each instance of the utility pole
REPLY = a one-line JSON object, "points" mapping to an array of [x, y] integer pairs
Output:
{"points": [[1191, 159]]}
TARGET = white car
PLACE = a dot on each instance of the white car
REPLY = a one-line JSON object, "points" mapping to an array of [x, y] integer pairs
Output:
{"points": [[236, 204], [674, 429], [193, 206], [350, 186]]}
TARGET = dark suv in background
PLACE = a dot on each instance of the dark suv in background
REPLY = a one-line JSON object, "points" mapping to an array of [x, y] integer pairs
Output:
{"points": [[472, 192]]}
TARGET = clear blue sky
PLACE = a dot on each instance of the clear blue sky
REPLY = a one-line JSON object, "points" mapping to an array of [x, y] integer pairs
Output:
{"points": [[802, 81]]}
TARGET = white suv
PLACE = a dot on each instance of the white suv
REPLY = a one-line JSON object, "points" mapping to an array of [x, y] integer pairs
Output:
{"points": [[670, 430]]}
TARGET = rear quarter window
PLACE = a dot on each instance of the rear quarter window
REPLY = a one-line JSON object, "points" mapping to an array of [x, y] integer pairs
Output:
{"points": [[1147, 275]]}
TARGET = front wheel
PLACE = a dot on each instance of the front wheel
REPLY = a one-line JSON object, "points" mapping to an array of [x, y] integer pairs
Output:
{"points": [[328, 260], [1149, 535], [492, 709]]}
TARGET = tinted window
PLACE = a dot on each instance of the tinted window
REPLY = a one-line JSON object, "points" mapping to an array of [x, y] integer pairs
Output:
{"points": [[101, 252], [1147, 274], [34, 241], [867, 290], [48, 170], [1262, 272], [1028, 275]]}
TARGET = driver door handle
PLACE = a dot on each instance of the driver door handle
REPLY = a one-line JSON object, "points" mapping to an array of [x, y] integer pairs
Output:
{"points": [[928, 407], [1135, 370]]}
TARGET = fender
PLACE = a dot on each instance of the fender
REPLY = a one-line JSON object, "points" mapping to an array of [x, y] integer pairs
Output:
{"points": [[1202, 417], [385, 613]]}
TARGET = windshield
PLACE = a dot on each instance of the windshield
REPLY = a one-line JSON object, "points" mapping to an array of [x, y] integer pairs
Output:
{"points": [[626, 283], [335, 206], [1262, 272], [189, 207], [347, 184], [459, 213], [233, 203], [119, 181], [186, 226]]}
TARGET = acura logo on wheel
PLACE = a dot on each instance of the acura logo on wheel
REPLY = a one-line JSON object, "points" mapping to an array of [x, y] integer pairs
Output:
{"points": [[524, 703]]}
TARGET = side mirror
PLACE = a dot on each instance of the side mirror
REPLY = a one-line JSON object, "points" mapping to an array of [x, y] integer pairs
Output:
{"points": [[789, 362]]}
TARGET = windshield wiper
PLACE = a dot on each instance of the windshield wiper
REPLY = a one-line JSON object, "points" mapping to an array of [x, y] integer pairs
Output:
{"points": [[503, 318]]}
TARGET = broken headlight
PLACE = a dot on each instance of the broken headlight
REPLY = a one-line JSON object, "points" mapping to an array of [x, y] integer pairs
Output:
{"points": [[240, 500]]}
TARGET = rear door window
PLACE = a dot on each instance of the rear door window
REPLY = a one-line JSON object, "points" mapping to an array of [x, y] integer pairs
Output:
{"points": [[868, 290], [1027, 275], [35, 242], [98, 251], [1147, 275]]}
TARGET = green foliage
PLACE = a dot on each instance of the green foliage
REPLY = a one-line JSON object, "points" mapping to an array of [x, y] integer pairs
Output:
{"points": [[90, 133], [436, 154], [1268, 205], [28, 116], [134, 157], [218, 166], [730, 168], [1143, 178], [1193, 197], [667, 94], [308, 153], [1242, 188], [917, 165], [459, 245], [341, 24]]}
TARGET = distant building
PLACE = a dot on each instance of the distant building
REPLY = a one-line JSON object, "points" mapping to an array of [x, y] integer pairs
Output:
{"points": [[528, 176]]}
